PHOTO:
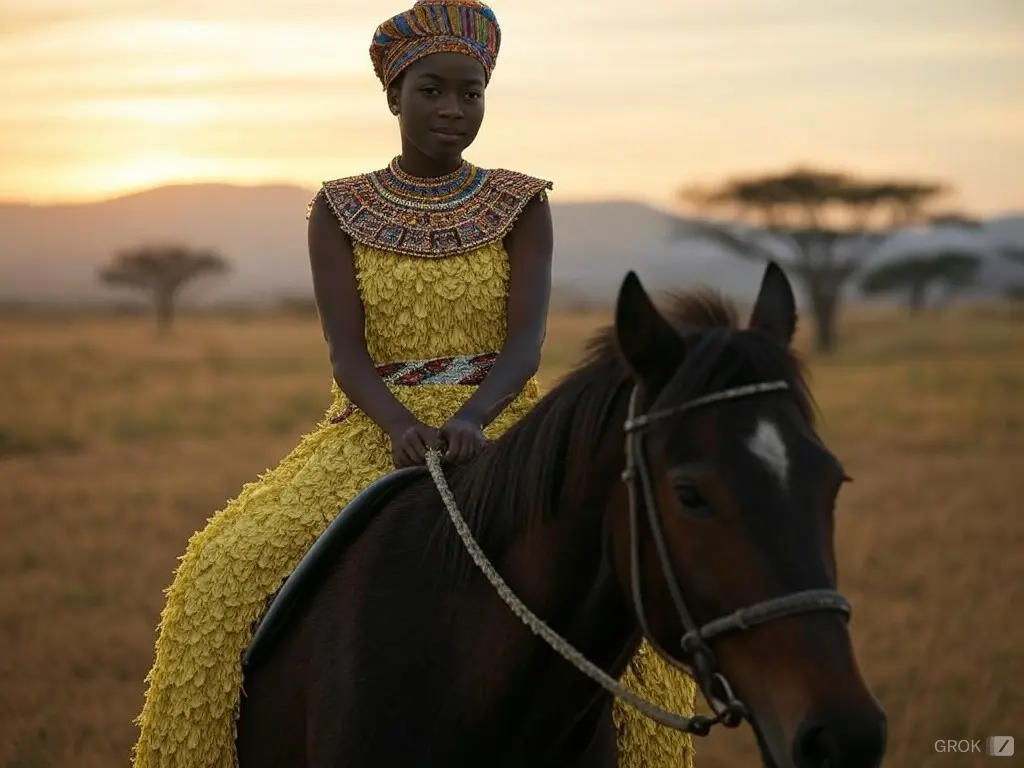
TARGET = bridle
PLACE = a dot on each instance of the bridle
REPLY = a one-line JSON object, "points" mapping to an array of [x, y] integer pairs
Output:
{"points": [[728, 709]]}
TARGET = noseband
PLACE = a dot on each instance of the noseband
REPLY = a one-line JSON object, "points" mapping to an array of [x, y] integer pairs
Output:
{"points": [[728, 709]]}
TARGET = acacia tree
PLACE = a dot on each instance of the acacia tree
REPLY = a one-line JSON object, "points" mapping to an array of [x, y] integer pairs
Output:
{"points": [[914, 275], [1014, 253], [1011, 251], [1015, 291], [162, 271], [820, 226]]}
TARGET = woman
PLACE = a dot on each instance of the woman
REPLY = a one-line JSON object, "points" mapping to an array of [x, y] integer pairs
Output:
{"points": [[432, 279]]}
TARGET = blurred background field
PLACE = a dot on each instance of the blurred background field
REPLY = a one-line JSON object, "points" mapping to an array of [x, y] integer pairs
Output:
{"points": [[114, 448]]}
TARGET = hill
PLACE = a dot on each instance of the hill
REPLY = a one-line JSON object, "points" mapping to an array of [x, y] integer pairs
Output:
{"points": [[50, 253]]}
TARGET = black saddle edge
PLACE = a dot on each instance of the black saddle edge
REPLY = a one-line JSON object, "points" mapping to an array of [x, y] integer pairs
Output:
{"points": [[340, 533]]}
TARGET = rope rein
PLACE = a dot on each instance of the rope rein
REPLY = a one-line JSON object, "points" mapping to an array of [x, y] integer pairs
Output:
{"points": [[559, 644]]}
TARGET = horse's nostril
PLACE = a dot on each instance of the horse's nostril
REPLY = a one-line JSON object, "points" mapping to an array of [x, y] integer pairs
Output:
{"points": [[811, 749], [841, 740]]}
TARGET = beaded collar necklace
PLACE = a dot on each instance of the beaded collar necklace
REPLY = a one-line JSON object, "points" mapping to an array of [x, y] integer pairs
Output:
{"points": [[442, 193], [453, 214]]}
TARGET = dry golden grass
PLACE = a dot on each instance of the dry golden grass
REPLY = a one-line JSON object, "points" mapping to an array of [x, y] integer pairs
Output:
{"points": [[114, 448]]}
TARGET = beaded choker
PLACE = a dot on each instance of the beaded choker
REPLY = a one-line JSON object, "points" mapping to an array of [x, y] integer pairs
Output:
{"points": [[437, 194], [460, 212]]}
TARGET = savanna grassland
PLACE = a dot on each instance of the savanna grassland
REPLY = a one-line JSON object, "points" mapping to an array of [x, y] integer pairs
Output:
{"points": [[115, 447]]}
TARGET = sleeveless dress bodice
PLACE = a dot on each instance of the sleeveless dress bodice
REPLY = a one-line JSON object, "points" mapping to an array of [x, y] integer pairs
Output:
{"points": [[419, 308]]}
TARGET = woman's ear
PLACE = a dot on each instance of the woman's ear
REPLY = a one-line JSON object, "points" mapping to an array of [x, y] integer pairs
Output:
{"points": [[394, 93]]}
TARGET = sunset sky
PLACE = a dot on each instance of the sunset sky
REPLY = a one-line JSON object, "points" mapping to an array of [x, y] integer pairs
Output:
{"points": [[608, 98]]}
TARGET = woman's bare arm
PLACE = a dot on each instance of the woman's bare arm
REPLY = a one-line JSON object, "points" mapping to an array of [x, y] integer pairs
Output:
{"points": [[530, 245], [341, 316]]}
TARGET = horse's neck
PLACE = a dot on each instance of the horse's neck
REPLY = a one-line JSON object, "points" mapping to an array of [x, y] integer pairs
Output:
{"points": [[564, 568], [604, 622]]}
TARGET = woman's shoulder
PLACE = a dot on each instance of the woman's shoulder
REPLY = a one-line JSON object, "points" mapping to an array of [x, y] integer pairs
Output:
{"points": [[520, 186], [337, 191]]}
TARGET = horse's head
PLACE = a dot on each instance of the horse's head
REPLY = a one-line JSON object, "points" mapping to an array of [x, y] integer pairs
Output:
{"points": [[732, 504]]}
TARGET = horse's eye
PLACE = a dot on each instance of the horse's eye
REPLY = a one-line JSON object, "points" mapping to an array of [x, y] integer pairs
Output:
{"points": [[691, 499]]}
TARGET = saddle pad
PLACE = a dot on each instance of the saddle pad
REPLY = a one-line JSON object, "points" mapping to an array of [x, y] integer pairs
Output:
{"points": [[339, 534]]}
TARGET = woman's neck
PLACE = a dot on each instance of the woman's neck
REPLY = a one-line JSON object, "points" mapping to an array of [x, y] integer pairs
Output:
{"points": [[418, 165]]}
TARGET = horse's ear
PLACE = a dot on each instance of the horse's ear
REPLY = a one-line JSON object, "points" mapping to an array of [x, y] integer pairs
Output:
{"points": [[648, 344], [775, 309]]}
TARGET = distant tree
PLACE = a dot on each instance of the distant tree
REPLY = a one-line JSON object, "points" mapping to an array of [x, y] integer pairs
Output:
{"points": [[1014, 293], [1010, 251], [162, 271], [915, 275], [820, 226], [1014, 253]]}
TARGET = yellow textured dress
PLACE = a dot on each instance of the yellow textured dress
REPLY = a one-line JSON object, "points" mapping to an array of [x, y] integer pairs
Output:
{"points": [[417, 307]]}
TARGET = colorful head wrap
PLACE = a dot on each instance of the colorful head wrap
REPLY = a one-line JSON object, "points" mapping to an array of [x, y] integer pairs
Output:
{"points": [[435, 26]]}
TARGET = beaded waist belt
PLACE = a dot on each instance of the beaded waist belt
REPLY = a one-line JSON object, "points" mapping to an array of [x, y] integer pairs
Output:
{"points": [[459, 369]]}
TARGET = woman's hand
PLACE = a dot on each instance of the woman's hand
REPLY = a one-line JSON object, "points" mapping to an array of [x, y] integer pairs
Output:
{"points": [[409, 444], [463, 437]]}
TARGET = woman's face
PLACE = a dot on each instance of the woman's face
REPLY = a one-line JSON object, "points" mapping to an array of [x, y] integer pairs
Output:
{"points": [[440, 104]]}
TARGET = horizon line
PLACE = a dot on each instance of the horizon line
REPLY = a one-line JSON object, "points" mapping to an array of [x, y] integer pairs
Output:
{"points": [[75, 201], [576, 199]]}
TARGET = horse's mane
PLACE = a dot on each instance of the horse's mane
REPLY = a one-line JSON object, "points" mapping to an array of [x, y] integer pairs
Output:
{"points": [[499, 498]]}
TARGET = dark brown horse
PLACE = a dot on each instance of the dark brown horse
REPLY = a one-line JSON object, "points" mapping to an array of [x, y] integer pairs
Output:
{"points": [[392, 649]]}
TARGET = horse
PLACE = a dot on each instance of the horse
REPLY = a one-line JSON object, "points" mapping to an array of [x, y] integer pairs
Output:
{"points": [[672, 487]]}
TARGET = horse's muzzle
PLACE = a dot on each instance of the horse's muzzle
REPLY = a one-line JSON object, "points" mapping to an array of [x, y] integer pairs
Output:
{"points": [[841, 738]]}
